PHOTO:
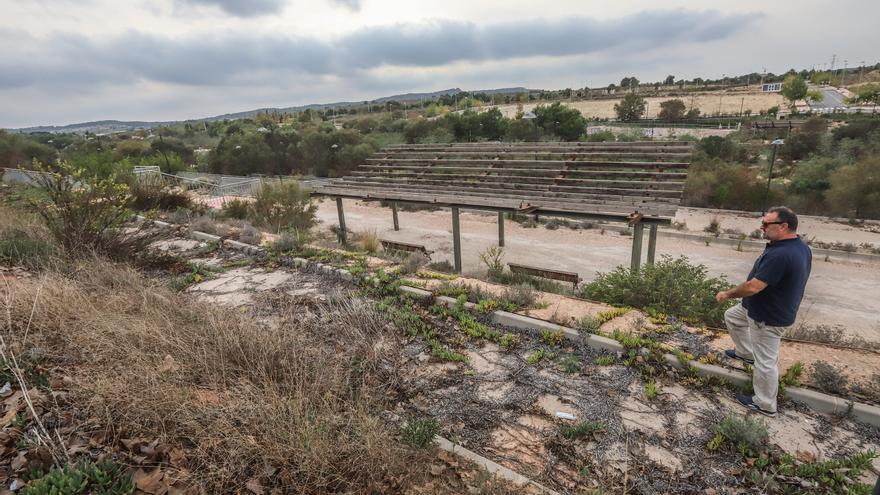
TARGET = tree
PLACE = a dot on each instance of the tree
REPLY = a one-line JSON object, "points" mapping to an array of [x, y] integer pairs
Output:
{"points": [[630, 108], [670, 80], [855, 189], [672, 110], [562, 121], [794, 88], [866, 94], [629, 82]]}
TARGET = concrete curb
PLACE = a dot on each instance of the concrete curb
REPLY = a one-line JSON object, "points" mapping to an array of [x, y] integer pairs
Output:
{"points": [[241, 246], [201, 236], [521, 322], [490, 466]]}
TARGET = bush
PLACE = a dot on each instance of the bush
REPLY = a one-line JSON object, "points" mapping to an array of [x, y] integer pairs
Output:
{"points": [[369, 241], [250, 235], [86, 477], [828, 379], [146, 196], [419, 433], [290, 241], [670, 286], [413, 262], [235, 208], [284, 206], [86, 214], [493, 258], [714, 226], [523, 295], [749, 436]]}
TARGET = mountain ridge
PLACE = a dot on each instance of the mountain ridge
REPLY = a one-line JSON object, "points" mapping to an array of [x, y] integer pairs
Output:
{"points": [[109, 125]]}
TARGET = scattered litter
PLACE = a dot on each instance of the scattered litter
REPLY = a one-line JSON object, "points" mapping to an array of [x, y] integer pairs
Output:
{"points": [[565, 415], [6, 390]]}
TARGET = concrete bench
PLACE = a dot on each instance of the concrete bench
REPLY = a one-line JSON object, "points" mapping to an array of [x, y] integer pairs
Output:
{"points": [[545, 273], [405, 246]]}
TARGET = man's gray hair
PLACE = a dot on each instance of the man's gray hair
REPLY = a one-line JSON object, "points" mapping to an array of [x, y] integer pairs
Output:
{"points": [[785, 214]]}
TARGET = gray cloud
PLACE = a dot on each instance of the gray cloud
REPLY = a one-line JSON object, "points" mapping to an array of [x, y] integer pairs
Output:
{"points": [[241, 8], [354, 5], [237, 59]]}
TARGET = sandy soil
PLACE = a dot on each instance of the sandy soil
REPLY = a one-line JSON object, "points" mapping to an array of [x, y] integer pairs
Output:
{"points": [[811, 227], [708, 103], [839, 293]]}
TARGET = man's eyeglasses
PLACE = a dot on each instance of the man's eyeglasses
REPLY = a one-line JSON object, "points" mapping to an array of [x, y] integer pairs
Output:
{"points": [[765, 224]]}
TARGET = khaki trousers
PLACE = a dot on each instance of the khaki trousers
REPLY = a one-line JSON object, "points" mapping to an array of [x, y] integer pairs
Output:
{"points": [[755, 340]]}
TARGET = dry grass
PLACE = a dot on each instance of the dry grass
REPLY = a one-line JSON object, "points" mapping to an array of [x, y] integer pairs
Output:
{"points": [[368, 241], [240, 396]]}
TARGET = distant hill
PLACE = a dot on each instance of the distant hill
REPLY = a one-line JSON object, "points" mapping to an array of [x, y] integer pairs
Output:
{"points": [[109, 126]]}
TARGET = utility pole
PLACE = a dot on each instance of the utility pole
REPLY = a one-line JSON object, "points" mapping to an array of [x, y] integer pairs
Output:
{"points": [[843, 78], [833, 59], [861, 71]]}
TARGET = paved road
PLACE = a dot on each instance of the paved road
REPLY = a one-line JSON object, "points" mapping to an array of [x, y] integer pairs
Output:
{"points": [[832, 99]]}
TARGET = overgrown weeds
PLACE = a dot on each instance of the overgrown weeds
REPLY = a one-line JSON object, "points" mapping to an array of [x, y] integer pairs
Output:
{"points": [[829, 379], [283, 206], [368, 241], [146, 360], [670, 286], [746, 435], [86, 215]]}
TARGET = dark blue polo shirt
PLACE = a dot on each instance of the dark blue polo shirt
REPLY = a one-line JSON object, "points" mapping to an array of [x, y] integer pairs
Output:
{"points": [[785, 267]]}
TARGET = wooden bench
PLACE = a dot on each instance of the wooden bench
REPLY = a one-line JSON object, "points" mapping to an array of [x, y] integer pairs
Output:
{"points": [[545, 273], [405, 246]]}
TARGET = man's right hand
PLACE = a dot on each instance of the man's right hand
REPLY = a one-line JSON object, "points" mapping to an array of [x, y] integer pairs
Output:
{"points": [[722, 296]]}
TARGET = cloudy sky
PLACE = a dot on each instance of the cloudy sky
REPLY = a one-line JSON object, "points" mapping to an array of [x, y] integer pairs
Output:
{"points": [[66, 61]]}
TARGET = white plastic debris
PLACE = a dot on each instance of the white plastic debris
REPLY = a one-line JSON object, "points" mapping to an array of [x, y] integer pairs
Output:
{"points": [[6, 390], [565, 415]]}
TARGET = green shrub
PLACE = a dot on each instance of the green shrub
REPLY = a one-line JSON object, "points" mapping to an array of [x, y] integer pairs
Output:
{"points": [[290, 241], [420, 432], [283, 206], [671, 286], [606, 360], [86, 477], [146, 196], [747, 435], [581, 429], [493, 258], [236, 208], [87, 214], [521, 295]]}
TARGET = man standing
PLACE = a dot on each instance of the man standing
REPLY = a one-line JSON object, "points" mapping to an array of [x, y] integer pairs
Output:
{"points": [[770, 296]]}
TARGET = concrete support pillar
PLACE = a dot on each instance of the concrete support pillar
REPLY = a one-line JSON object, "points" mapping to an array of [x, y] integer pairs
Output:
{"points": [[652, 243], [394, 215], [342, 231], [500, 229], [638, 234], [456, 240]]}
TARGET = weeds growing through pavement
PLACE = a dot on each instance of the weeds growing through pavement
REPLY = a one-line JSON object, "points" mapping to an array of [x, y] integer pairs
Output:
{"points": [[581, 429]]}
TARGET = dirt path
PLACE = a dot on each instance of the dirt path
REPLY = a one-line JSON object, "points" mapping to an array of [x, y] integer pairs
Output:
{"points": [[839, 293], [708, 103]]}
